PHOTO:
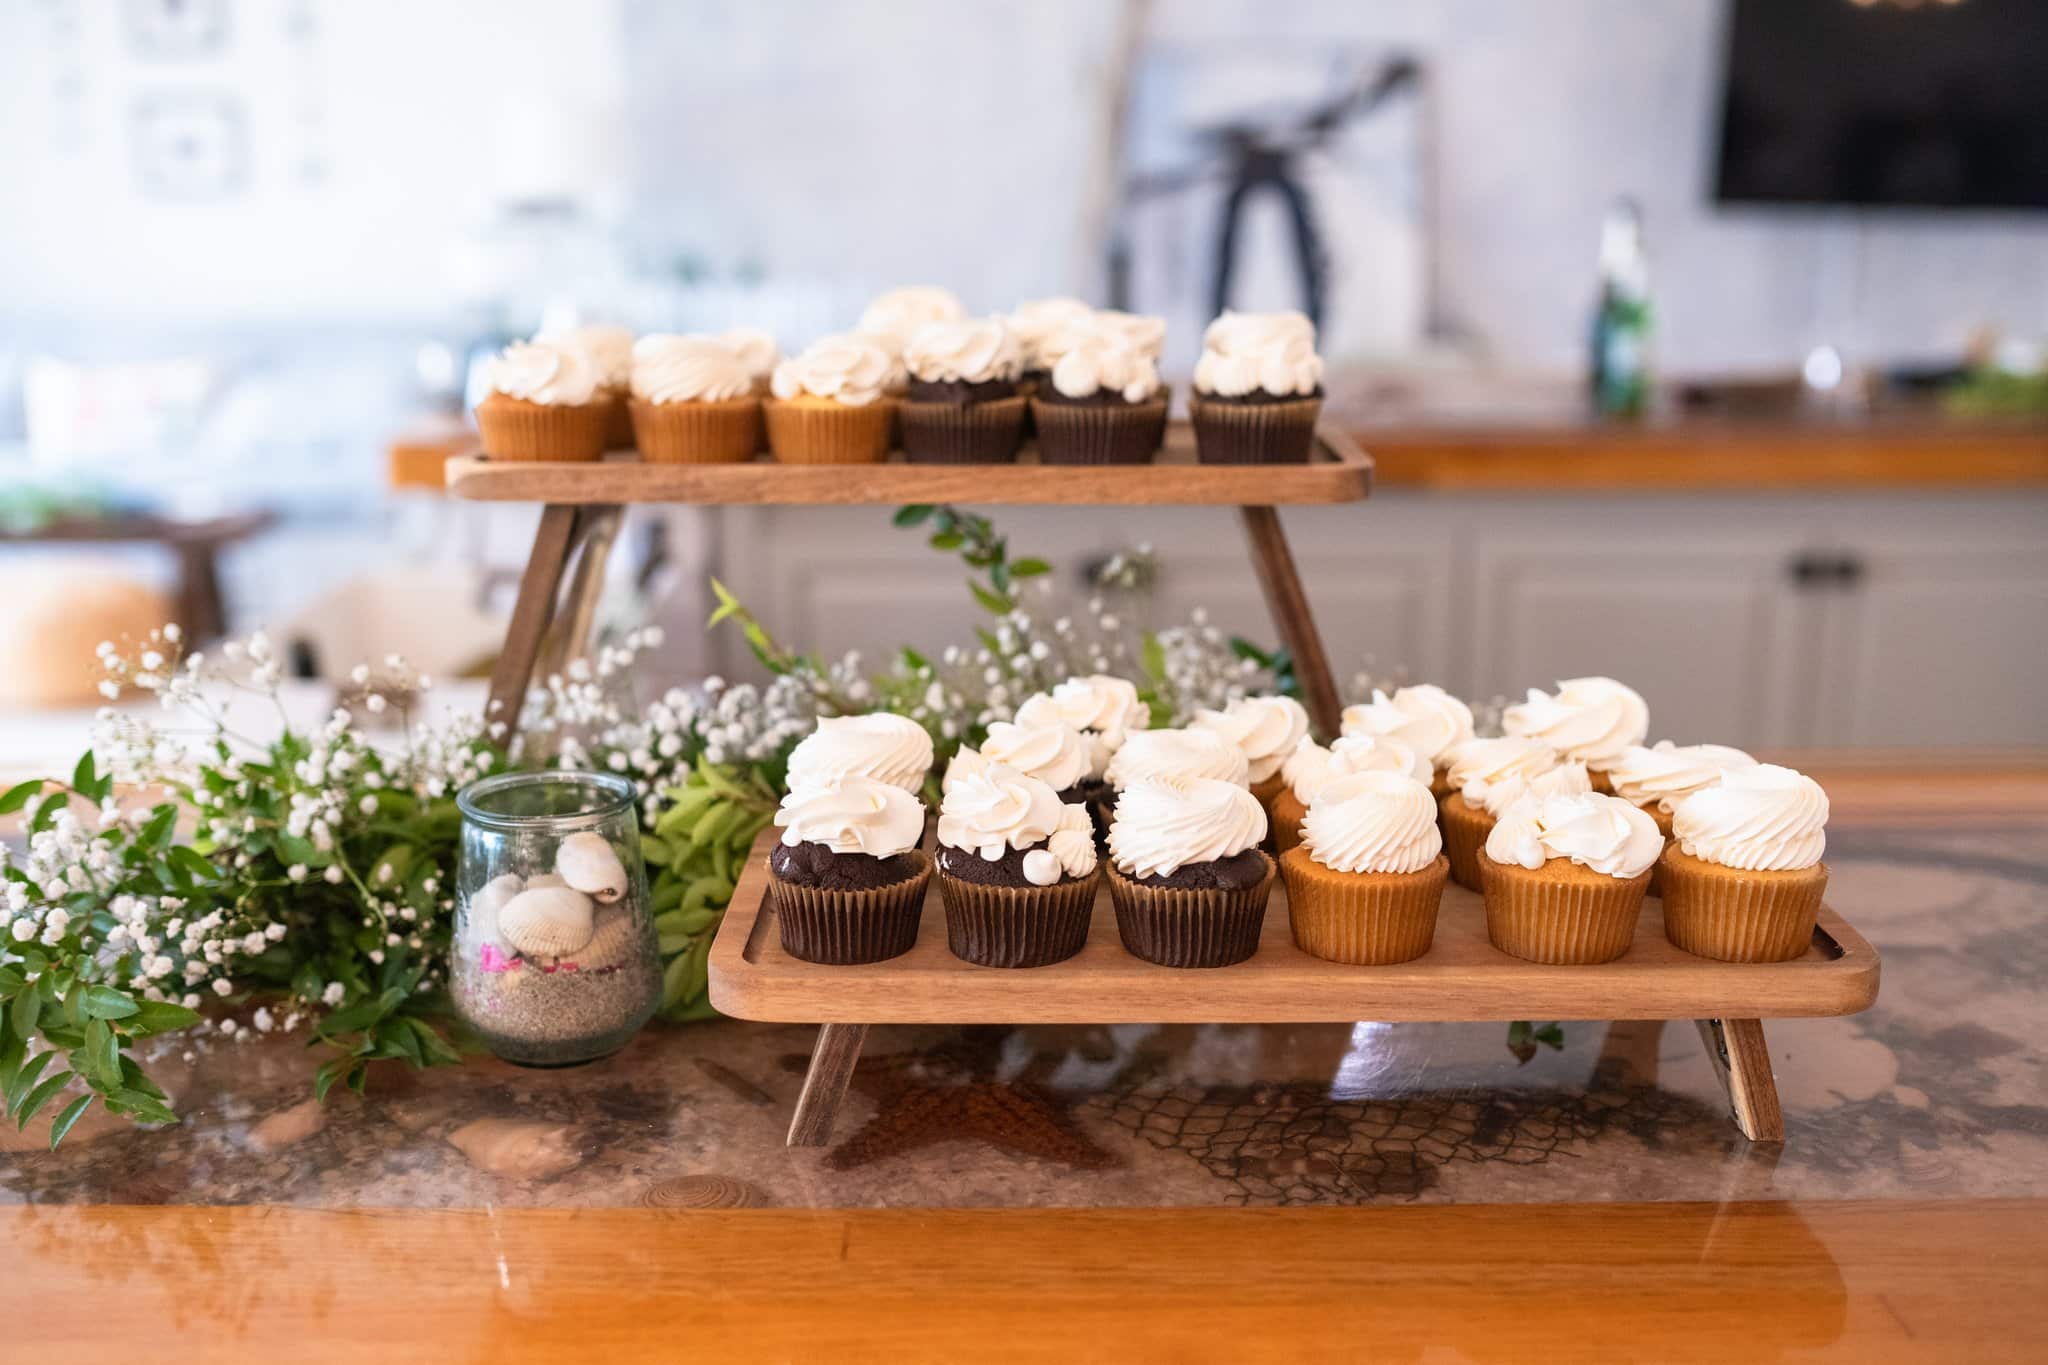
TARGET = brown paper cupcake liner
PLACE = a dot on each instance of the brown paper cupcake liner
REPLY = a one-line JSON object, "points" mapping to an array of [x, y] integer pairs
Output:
{"points": [[1561, 913], [1465, 828], [842, 928], [1364, 919], [1017, 926], [1099, 433], [963, 433], [697, 433], [618, 422], [514, 429], [1287, 815], [1440, 785], [1178, 927], [1254, 433], [815, 433], [1736, 916]]}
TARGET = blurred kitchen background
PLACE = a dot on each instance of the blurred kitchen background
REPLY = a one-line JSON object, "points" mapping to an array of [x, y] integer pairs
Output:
{"points": [[253, 248]]}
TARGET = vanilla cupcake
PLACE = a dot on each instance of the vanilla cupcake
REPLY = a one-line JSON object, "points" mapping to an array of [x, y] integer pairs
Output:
{"points": [[830, 403], [693, 401], [1424, 717], [1743, 876], [545, 401], [1311, 766], [1102, 402], [609, 350], [757, 351], [882, 745], [963, 406], [847, 878], [1267, 729], [1258, 390], [1185, 872], [1364, 884], [1016, 868], [1594, 720], [1489, 775], [1056, 754], [1565, 876], [1155, 754]]}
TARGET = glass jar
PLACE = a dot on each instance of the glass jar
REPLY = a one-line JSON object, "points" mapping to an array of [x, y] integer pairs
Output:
{"points": [[554, 960]]}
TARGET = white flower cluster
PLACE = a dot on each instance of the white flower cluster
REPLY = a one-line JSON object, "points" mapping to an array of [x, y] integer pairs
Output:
{"points": [[1202, 671]]}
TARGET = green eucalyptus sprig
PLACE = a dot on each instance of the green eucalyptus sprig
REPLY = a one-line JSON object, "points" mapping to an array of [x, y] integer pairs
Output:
{"points": [[696, 851], [975, 539]]}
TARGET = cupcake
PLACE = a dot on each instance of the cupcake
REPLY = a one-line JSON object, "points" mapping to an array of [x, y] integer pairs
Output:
{"points": [[1424, 717], [1106, 710], [1189, 753], [1258, 390], [1565, 875], [1016, 869], [1267, 729], [1055, 754], [891, 319], [1311, 766], [1743, 876], [544, 403], [847, 878], [887, 747], [1490, 775], [609, 349], [1044, 328], [1185, 871], [1364, 884], [1658, 778], [963, 406], [693, 401], [1102, 403], [829, 404], [1594, 720], [757, 351]]}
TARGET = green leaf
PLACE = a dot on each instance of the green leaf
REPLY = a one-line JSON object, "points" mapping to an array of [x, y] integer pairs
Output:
{"points": [[1153, 655], [912, 660], [37, 1098], [330, 1072], [24, 1012], [83, 778], [17, 795], [913, 514], [947, 540], [159, 1016], [999, 574], [1029, 568], [25, 1078], [67, 1118], [656, 851], [101, 1053], [104, 1002], [990, 601]]}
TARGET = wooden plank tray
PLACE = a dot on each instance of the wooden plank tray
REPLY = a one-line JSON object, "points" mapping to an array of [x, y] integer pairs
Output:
{"points": [[1340, 472]]}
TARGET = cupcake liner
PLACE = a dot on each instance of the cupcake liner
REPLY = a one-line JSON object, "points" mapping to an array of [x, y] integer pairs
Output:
{"points": [[1736, 916], [514, 429], [1561, 913], [820, 433], [1465, 827], [1440, 785], [697, 433], [1177, 927], [1663, 819], [1017, 926], [618, 422], [1099, 433], [1254, 433], [1369, 919], [1286, 816], [841, 928], [963, 433]]}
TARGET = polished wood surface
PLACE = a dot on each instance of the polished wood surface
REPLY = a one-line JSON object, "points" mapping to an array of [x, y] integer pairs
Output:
{"points": [[1866, 1282], [1341, 472], [1462, 977]]}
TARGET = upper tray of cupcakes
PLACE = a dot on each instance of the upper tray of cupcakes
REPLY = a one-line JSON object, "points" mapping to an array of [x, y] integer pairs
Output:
{"points": [[1055, 402]]}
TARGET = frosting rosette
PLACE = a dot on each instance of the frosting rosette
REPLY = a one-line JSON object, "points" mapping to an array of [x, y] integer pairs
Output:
{"points": [[1164, 824], [1272, 353], [545, 372], [1267, 729], [852, 814], [899, 312], [1372, 822], [1601, 833], [887, 747], [1424, 717], [1761, 819], [1310, 766], [1141, 330], [1056, 754], [1154, 754], [1667, 773], [670, 368], [995, 808], [756, 349], [608, 348], [1479, 765], [848, 368], [1591, 719], [1041, 326], [1106, 362], [966, 350]]}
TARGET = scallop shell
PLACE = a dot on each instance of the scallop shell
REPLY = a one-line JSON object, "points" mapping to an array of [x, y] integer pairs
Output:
{"points": [[614, 942], [552, 921], [586, 861], [484, 906], [544, 879]]}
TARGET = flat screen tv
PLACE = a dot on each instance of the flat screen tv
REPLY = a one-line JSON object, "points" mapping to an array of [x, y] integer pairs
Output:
{"points": [[1939, 103]]}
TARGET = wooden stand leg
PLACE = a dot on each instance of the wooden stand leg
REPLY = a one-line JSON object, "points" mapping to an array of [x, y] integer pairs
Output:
{"points": [[1289, 606], [832, 1059], [1742, 1060], [530, 615]]}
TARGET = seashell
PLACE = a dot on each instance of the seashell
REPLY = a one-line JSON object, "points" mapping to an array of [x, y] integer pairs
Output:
{"points": [[551, 921], [614, 943], [586, 861], [545, 879], [487, 902]]}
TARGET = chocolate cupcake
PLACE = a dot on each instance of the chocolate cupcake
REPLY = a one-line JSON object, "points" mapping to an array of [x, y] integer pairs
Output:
{"points": [[1311, 767], [1016, 869], [545, 402], [693, 401], [1044, 328], [1102, 403], [1258, 390], [848, 880], [1267, 729], [830, 404], [1186, 875], [1054, 753], [1565, 875], [963, 406], [882, 745]]}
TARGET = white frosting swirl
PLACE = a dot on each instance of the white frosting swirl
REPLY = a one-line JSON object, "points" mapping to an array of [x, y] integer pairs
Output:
{"points": [[852, 814], [970, 351], [1271, 353], [1311, 766], [1154, 754], [1478, 765], [1106, 705], [1762, 819], [609, 349], [899, 312], [1266, 728], [995, 808], [887, 747], [1425, 717], [1163, 824], [688, 369], [756, 349], [1372, 822], [1603, 833], [1566, 779], [848, 368], [544, 372], [1036, 320], [1057, 755], [1109, 362], [1141, 330], [1590, 719], [1668, 773]]}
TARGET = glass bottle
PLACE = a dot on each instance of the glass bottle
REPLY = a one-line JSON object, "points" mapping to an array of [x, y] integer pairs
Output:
{"points": [[1622, 319]]}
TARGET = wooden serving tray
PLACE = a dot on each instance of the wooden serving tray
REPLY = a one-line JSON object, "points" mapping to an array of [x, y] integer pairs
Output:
{"points": [[1339, 472]]}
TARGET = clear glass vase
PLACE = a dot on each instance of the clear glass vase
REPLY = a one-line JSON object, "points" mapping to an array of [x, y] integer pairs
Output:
{"points": [[554, 961]]}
